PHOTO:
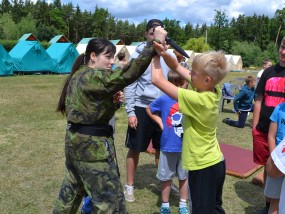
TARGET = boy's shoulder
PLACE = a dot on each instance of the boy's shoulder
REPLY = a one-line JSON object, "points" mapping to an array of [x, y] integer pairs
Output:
{"points": [[281, 106], [164, 99]]}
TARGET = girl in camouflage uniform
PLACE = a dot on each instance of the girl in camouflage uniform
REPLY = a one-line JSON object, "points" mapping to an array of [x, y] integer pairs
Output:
{"points": [[87, 102]]}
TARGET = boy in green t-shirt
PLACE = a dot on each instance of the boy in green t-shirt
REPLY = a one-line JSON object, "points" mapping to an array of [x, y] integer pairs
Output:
{"points": [[201, 154]]}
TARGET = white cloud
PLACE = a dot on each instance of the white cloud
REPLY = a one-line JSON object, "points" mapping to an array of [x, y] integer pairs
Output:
{"points": [[193, 11]]}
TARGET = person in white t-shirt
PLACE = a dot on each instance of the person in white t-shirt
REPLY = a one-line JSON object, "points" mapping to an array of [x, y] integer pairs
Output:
{"points": [[266, 64]]}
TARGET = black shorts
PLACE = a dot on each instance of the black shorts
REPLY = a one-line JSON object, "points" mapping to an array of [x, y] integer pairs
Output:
{"points": [[138, 139]]}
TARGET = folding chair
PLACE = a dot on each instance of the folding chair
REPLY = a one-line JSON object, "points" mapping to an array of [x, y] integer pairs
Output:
{"points": [[228, 93]]}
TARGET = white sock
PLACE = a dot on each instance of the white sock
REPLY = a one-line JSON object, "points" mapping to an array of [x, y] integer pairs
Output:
{"points": [[129, 186], [165, 204], [182, 203]]}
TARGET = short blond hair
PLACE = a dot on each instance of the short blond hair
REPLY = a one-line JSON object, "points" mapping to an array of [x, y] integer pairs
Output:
{"points": [[212, 63]]}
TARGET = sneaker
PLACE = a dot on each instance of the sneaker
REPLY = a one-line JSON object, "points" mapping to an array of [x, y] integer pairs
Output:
{"points": [[165, 210], [87, 205], [226, 120], [183, 210], [129, 193]]}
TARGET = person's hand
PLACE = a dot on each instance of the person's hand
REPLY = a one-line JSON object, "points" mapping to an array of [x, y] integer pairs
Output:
{"points": [[160, 34], [119, 97], [159, 48], [133, 122]]}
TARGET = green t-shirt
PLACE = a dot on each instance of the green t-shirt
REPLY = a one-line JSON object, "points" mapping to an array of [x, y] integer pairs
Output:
{"points": [[200, 147]]}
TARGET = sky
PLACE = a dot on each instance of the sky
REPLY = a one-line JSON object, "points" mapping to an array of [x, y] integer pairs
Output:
{"points": [[193, 11]]}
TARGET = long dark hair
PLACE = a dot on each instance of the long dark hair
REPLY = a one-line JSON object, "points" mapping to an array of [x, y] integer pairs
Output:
{"points": [[98, 46]]}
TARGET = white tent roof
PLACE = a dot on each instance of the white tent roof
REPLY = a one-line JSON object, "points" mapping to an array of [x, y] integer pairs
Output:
{"points": [[237, 62], [131, 49], [81, 48], [236, 58]]}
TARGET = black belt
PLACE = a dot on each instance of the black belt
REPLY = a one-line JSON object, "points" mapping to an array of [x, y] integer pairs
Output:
{"points": [[93, 130]]}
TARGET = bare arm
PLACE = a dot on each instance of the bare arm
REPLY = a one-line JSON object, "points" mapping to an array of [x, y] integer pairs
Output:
{"points": [[159, 81], [256, 111], [172, 62], [271, 169], [154, 117], [272, 136]]}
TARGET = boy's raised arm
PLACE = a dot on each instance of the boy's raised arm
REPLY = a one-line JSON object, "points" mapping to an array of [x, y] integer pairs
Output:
{"points": [[159, 80], [169, 60]]}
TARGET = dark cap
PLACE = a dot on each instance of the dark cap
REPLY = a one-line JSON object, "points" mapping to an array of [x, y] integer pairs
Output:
{"points": [[154, 23]]}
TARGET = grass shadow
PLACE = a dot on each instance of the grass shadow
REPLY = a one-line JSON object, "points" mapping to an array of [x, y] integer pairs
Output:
{"points": [[146, 179], [253, 196]]}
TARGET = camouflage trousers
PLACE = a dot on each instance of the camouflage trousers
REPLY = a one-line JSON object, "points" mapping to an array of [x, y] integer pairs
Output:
{"points": [[91, 167]]}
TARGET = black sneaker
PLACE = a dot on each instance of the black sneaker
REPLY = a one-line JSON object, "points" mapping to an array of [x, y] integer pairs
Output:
{"points": [[226, 120]]}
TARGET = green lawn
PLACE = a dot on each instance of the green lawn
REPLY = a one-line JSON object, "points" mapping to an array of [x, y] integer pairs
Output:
{"points": [[32, 152]]}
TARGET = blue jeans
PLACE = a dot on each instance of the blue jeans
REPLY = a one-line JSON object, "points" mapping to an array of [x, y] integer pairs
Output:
{"points": [[241, 120]]}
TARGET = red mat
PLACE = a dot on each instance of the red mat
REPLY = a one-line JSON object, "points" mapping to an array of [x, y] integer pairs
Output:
{"points": [[239, 161]]}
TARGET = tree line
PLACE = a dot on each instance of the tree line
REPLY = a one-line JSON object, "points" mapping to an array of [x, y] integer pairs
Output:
{"points": [[255, 37]]}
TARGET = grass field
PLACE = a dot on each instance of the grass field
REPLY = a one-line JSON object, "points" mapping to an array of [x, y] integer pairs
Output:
{"points": [[32, 152]]}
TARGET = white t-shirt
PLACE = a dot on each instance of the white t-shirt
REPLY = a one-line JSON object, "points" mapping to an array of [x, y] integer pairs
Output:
{"points": [[259, 75], [278, 156]]}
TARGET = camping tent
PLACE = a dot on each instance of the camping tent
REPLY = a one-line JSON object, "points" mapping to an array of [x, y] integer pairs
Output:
{"points": [[81, 46], [230, 60], [189, 60], [237, 62], [135, 43], [117, 42], [130, 51], [6, 62], [64, 54], [58, 39], [121, 49], [30, 57]]}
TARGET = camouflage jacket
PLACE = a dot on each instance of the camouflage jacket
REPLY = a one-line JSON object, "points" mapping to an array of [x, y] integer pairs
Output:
{"points": [[89, 96]]}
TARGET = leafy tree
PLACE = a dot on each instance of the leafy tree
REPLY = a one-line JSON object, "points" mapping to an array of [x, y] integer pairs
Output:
{"points": [[8, 27], [26, 25], [248, 51], [41, 13], [197, 45], [16, 11], [56, 4], [174, 30], [219, 33], [99, 22], [189, 31], [5, 6], [45, 33], [280, 19], [56, 19]]}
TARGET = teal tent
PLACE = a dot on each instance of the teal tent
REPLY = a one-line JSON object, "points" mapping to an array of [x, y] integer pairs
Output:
{"points": [[81, 46], [64, 54], [30, 57], [58, 38], [6, 62]]}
